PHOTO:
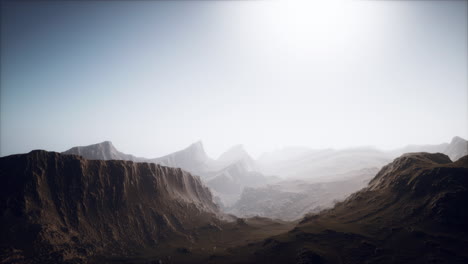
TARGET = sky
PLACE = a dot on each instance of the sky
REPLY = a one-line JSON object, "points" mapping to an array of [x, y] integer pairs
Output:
{"points": [[155, 76]]}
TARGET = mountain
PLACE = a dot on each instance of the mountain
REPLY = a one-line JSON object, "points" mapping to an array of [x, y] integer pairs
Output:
{"points": [[320, 165], [240, 184], [413, 211], [234, 155], [285, 154], [227, 176], [192, 159], [65, 209], [438, 148], [228, 183], [292, 199], [57, 207], [101, 151], [457, 148]]}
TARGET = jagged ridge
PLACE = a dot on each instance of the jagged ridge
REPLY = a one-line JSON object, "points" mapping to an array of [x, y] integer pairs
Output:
{"points": [[101, 151]]}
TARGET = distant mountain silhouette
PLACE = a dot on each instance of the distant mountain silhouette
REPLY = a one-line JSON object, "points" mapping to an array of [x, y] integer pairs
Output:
{"points": [[234, 155], [235, 170], [101, 151], [292, 199], [228, 175], [229, 182], [457, 148], [323, 164], [192, 159]]}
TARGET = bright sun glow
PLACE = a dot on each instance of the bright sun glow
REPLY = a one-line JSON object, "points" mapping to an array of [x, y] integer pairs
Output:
{"points": [[156, 76], [314, 28]]}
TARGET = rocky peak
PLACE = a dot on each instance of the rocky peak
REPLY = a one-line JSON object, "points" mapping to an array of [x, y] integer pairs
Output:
{"points": [[456, 140], [405, 169], [101, 151], [235, 153], [197, 150], [457, 148]]}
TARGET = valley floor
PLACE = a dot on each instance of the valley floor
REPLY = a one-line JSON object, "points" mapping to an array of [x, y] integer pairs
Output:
{"points": [[208, 245]]}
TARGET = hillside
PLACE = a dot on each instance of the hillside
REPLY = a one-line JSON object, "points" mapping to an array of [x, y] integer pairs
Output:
{"points": [[413, 211], [58, 207], [62, 208]]}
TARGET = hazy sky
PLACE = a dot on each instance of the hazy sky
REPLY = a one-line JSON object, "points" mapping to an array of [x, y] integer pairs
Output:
{"points": [[155, 76]]}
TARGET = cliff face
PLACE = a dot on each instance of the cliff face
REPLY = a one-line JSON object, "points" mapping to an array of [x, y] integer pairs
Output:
{"points": [[66, 207]]}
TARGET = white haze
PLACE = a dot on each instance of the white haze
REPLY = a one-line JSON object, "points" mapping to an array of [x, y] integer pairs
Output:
{"points": [[264, 74]]}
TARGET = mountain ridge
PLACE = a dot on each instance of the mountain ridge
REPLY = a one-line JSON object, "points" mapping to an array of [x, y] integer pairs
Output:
{"points": [[192, 158], [101, 151]]}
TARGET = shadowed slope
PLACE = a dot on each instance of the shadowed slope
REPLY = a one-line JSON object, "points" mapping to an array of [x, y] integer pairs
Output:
{"points": [[63, 207]]}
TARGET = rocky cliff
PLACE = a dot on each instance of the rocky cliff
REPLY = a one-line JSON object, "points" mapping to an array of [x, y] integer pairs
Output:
{"points": [[58, 207]]}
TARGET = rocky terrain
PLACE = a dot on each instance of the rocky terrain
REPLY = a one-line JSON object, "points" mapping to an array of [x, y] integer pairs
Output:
{"points": [[284, 184], [58, 207], [292, 199], [226, 176], [230, 182], [65, 209], [413, 211]]}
